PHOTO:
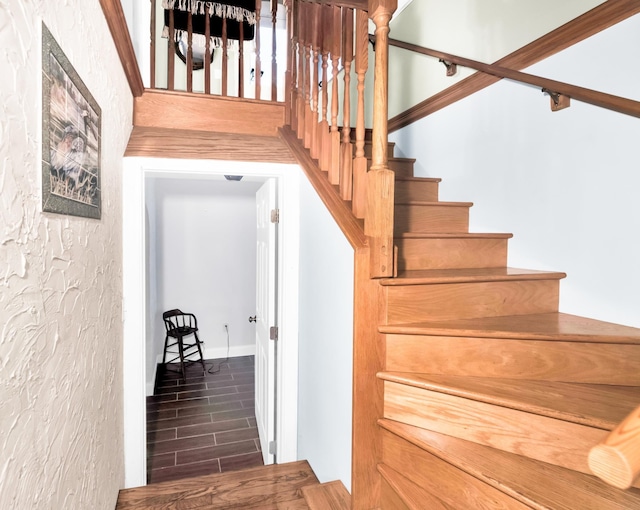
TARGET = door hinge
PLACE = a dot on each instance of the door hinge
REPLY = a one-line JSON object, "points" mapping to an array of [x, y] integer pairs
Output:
{"points": [[272, 447], [275, 215], [273, 332]]}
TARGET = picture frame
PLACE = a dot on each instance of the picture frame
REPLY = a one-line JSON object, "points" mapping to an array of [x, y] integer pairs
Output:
{"points": [[71, 137]]}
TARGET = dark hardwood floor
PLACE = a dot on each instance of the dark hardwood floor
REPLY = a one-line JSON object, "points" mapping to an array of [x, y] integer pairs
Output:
{"points": [[204, 425]]}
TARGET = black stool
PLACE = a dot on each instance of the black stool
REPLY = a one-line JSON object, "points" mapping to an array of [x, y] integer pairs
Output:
{"points": [[180, 325]]}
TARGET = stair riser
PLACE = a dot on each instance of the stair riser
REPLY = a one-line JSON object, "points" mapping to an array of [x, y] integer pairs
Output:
{"points": [[389, 500], [415, 303], [456, 488], [398, 492], [426, 191], [430, 218], [539, 437], [575, 362], [402, 168], [368, 149], [445, 253]]}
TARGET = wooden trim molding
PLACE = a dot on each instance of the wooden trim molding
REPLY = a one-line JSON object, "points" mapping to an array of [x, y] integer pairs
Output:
{"points": [[203, 112], [187, 144], [114, 15], [597, 19], [351, 226]]}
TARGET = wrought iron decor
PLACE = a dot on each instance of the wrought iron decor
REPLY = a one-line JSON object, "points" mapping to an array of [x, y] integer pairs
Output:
{"points": [[71, 136]]}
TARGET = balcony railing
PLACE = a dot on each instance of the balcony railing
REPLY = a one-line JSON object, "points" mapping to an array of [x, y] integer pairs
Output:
{"points": [[229, 48]]}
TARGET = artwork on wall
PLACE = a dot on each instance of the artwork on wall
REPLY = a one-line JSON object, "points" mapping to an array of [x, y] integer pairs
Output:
{"points": [[70, 137]]}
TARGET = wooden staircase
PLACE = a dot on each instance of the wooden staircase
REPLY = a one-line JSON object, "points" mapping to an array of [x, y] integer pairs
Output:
{"points": [[291, 486], [492, 398]]}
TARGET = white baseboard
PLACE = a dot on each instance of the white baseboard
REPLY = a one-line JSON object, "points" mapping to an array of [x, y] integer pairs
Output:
{"points": [[221, 352]]}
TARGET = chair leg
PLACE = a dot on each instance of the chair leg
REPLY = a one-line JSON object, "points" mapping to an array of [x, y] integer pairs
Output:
{"points": [[204, 368], [181, 353], [164, 354]]}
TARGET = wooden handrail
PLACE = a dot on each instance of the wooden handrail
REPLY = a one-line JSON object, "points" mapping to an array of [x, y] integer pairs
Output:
{"points": [[617, 459], [601, 99], [591, 22], [114, 15]]}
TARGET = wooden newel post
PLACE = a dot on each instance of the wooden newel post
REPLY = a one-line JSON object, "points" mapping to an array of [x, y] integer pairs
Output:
{"points": [[617, 459], [380, 179]]}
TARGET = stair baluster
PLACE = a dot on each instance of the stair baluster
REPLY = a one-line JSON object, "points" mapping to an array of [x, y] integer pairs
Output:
{"points": [[324, 140], [360, 162], [315, 89], [346, 159]]}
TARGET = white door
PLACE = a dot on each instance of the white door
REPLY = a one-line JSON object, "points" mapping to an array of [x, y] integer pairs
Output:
{"points": [[266, 292]]}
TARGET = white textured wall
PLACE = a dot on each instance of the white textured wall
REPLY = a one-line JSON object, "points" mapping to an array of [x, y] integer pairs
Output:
{"points": [[61, 436], [325, 341], [565, 183]]}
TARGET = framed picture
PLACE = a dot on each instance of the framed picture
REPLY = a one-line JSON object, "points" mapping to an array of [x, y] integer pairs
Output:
{"points": [[70, 137]]}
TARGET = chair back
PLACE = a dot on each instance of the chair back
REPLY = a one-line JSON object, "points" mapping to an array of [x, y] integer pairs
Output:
{"points": [[176, 320]]}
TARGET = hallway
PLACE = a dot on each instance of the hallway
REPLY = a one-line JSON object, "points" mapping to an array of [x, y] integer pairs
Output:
{"points": [[204, 425]]}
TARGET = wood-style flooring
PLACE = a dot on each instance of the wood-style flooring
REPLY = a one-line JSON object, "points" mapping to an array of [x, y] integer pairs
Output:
{"points": [[275, 487], [205, 424]]}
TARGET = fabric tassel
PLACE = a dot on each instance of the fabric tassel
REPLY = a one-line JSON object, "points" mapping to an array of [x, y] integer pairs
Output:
{"points": [[214, 8]]}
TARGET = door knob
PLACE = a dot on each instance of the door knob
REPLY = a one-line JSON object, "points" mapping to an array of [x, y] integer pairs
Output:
{"points": [[253, 319]]}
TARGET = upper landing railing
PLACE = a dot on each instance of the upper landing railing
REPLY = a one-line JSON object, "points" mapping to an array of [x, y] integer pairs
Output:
{"points": [[227, 47], [312, 50]]}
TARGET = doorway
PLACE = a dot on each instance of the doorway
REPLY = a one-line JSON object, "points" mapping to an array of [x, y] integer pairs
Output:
{"points": [[135, 278]]}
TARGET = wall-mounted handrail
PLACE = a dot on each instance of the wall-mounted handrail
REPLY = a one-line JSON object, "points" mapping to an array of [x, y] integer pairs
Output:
{"points": [[617, 459], [601, 99]]}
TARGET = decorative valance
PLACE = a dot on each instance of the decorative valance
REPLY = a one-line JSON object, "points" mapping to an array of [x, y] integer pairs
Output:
{"points": [[234, 11]]}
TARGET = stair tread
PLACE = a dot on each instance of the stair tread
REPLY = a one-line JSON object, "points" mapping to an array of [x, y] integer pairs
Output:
{"points": [[595, 405], [543, 326], [535, 483], [483, 274], [414, 497], [247, 488], [418, 179], [427, 203], [327, 496], [391, 160], [452, 235]]}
